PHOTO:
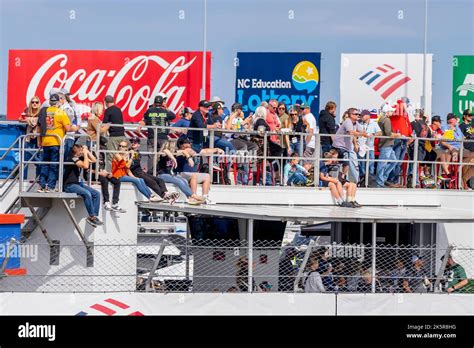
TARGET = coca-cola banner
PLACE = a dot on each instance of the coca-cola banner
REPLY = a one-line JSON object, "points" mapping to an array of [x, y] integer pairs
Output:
{"points": [[134, 78]]}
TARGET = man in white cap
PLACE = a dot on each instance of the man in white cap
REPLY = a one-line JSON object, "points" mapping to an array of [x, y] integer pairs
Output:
{"points": [[67, 108], [386, 146]]}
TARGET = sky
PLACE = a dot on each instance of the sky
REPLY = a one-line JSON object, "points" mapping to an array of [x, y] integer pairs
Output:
{"points": [[331, 27]]}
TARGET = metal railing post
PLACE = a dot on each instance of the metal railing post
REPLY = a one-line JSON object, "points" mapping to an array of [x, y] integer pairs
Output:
{"points": [[316, 156], [250, 254], [461, 154], [22, 164], [374, 242], [414, 172], [211, 157], [300, 149], [367, 165], [264, 166], [97, 151], [61, 165], [155, 150]]}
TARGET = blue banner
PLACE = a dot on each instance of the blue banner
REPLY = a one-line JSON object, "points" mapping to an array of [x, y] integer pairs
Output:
{"points": [[292, 78]]}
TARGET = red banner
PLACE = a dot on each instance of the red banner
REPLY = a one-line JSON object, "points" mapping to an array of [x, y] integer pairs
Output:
{"points": [[134, 78]]}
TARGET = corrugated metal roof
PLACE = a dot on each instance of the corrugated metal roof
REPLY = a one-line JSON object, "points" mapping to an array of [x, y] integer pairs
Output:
{"points": [[322, 213]]}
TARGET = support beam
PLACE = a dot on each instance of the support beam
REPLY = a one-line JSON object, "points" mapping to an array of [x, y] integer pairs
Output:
{"points": [[155, 265], [439, 276], [374, 243], [250, 253], [303, 265]]}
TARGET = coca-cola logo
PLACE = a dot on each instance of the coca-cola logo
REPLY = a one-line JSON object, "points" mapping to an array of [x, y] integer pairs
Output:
{"points": [[133, 78]]}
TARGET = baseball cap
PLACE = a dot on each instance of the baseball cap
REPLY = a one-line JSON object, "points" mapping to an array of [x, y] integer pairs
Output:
{"points": [[365, 112], [436, 118], [204, 103], [54, 98], [182, 141], [161, 94], [415, 258], [304, 106], [216, 99], [467, 112], [216, 106], [54, 91], [236, 106], [109, 99], [64, 91], [451, 116], [388, 108], [186, 110], [159, 99]]}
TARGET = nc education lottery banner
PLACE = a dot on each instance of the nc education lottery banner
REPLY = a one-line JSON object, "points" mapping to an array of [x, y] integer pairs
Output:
{"points": [[463, 84], [292, 78], [134, 78], [369, 80]]}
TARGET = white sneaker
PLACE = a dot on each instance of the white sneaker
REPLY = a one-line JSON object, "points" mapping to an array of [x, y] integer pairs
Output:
{"points": [[208, 201], [155, 198], [107, 206], [118, 209]]}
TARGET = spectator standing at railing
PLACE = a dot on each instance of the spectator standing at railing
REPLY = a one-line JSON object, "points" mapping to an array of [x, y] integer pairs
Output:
{"points": [[401, 125], [182, 124], [467, 128], [112, 116], [366, 144], [327, 125], [434, 131], [420, 130], [298, 124], [285, 124], [325, 270], [30, 117], [68, 109], [199, 120], [344, 144], [81, 158], [449, 150], [312, 130], [217, 117], [94, 124], [386, 146], [313, 282], [52, 121], [236, 121], [157, 115]]}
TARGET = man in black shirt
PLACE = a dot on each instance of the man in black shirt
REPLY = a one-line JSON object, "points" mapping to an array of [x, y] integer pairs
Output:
{"points": [[467, 128], [327, 125], [157, 115], [113, 115], [82, 158]]}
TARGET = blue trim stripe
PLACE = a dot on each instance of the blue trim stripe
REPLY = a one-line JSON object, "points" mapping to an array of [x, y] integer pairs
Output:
{"points": [[365, 75], [373, 79]]}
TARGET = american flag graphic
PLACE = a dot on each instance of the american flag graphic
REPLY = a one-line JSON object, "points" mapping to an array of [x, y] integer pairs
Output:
{"points": [[385, 80], [110, 307]]}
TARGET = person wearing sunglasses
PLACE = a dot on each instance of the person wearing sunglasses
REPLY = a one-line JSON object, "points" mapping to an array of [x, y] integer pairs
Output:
{"points": [[30, 117], [344, 144], [297, 124]]}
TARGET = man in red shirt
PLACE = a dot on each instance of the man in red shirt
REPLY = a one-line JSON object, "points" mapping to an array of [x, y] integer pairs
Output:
{"points": [[401, 125]]}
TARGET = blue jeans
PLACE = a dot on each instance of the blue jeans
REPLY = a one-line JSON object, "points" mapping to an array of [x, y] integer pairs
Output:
{"points": [[353, 175], [32, 146], [325, 148], [295, 148], [139, 184], [223, 144], [362, 164], [297, 178], [91, 197], [384, 168], [197, 160], [182, 183], [400, 149], [49, 172]]}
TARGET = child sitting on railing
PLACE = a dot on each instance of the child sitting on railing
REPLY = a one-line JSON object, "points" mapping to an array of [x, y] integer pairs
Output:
{"points": [[329, 174], [294, 173]]}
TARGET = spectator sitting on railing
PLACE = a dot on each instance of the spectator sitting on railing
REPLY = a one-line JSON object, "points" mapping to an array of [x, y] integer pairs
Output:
{"points": [[236, 121], [121, 170], [157, 115], [416, 278], [313, 281], [166, 163], [52, 120], [456, 278], [82, 158], [217, 117], [294, 173], [344, 144], [467, 127], [327, 125], [186, 168], [336, 182], [155, 183], [30, 117], [449, 150]]}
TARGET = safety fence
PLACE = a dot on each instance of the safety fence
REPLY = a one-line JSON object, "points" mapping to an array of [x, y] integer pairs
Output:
{"points": [[169, 264], [264, 164]]}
